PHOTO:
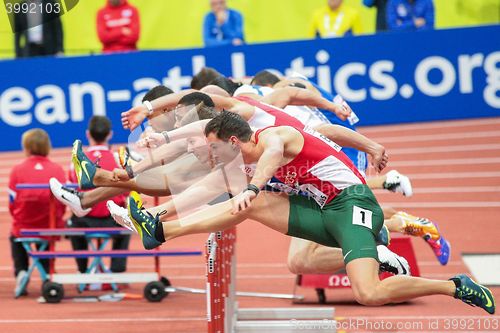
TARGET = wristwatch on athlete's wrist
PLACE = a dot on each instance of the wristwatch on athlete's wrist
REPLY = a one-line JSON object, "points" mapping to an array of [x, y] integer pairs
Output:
{"points": [[149, 106], [253, 188], [165, 135]]}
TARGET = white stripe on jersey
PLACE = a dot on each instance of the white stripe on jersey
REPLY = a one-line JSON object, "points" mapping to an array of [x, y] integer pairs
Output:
{"points": [[261, 119], [334, 171]]}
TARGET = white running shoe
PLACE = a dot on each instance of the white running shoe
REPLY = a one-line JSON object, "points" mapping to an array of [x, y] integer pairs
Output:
{"points": [[391, 262], [120, 215], [396, 182], [69, 197]]}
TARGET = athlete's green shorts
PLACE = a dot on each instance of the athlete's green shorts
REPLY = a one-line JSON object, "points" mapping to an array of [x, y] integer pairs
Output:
{"points": [[351, 221]]}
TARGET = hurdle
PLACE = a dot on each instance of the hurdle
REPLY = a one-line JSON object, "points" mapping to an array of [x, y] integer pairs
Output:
{"points": [[223, 313]]}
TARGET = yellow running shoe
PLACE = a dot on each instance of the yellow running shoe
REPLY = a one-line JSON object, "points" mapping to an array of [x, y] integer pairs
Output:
{"points": [[125, 160], [422, 227], [418, 226]]}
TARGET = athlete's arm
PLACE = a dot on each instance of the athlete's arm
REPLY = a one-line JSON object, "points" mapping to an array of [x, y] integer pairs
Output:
{"points": [[297, 96], [154, 140], [161, 156], [349, 138], [271, 158], [269, 162], [136, 115], [196, 195], [233, 105], [287, 82]]}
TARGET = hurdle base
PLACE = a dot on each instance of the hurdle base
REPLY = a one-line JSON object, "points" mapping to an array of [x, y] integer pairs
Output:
{"points": [[284, 320], [285, 326], [285, 313], [237, 293]]}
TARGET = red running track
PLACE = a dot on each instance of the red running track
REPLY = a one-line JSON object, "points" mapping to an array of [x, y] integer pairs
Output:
{"points": [[455, 171]]}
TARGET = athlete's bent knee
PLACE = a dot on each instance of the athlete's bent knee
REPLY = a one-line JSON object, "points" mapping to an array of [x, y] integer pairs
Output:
{"points": [[296, 265], [368, 296]]}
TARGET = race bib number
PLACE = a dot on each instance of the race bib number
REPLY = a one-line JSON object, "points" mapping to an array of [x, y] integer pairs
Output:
{"points": [[362, 217]]}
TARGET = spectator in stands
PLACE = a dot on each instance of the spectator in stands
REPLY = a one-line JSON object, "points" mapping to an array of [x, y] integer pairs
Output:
{"points": [[118, 26], [30, 208], [98, 134], [410, 15], [335, 20], [381, 6], [222, 26], [38, 33]]}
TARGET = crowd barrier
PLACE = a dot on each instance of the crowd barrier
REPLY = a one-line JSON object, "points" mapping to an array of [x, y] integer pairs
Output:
{"points": [[386, 78]]}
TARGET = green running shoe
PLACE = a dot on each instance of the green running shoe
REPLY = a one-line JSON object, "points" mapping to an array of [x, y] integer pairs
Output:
{"points": [[474, 294], [144, 222], [85, 169]]}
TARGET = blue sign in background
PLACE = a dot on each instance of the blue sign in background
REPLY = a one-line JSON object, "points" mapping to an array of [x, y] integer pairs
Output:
{"points": [[387, 78]]}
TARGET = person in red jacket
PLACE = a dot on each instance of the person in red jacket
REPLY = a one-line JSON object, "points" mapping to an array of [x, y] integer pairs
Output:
{"points": [[98, 134], [36, 168], [118, 26]]}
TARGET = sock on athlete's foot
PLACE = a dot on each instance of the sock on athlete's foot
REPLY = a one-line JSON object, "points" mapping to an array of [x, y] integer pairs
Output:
{"points": [[160, 237]]}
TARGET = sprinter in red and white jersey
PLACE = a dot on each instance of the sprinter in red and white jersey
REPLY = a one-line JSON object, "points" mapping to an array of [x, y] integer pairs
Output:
{"points": [[349, 219]]}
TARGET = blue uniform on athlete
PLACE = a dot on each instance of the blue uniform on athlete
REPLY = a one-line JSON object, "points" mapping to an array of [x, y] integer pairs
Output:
{"points": [[357, 157]]}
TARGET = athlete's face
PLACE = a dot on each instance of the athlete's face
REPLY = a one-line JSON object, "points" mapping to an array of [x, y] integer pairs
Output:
{"points": [[163, 122], [221, 151], [199, 148], [334, 4], [181, 111]]}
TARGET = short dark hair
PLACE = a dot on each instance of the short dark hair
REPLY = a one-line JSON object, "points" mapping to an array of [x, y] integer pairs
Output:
{"points": [[227, 84], [99, 128], [157, 92], [203, 77], [265, 78], [227, 124], [196, 98], [207, 112]]}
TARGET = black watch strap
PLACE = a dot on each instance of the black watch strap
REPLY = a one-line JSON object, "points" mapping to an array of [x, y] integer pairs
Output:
{"points": [[253, 188]]}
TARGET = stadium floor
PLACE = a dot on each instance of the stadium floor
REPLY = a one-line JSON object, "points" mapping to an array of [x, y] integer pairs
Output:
{"points": [[455, 171]]}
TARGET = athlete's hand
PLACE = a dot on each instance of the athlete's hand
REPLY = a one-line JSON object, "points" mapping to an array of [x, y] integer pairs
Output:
{"points": [[120, 175], [342, 111], [379, 158], [134, 117], [152, 140], [243, 201]]}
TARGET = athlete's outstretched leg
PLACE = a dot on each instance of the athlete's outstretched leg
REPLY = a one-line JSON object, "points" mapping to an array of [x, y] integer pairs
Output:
{"points": [[369, 290], [214, 218], [306, 257]]}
